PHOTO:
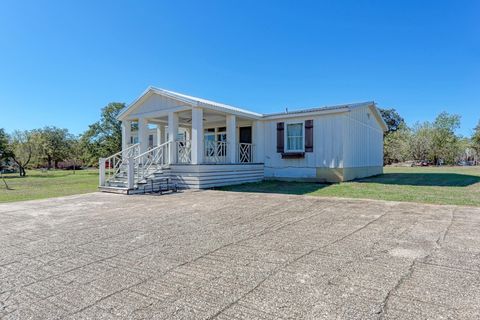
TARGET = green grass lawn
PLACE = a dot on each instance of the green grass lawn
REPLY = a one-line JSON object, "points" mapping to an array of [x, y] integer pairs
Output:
{"points": [[448, 185], [53, 183], [445, 185]]}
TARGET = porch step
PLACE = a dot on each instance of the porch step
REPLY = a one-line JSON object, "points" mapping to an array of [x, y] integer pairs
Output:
{"points": [[119, 190]]}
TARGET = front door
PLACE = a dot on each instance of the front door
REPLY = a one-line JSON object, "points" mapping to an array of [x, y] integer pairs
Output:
{"points": [[245, 145], [245, 135]]}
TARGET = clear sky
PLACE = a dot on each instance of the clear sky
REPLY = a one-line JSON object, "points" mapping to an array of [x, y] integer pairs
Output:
{"points": [[61, 61]]}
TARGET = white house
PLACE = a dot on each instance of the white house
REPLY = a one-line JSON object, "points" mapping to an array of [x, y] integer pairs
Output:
{"points": [[199, 143]]}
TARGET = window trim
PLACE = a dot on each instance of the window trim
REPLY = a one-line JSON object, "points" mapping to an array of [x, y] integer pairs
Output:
{"points": [[285, 144]]}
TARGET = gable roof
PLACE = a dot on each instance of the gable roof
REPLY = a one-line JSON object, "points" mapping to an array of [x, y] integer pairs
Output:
{"points": [[208, 104], [190, 100]]}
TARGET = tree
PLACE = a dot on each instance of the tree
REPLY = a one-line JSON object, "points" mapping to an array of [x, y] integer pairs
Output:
{"points": [[54, 144], [476, 139], [4, 151], [392, 118], [444, 140], [22, 149], [75, 152], [420, 143], [103, 138], [396, 138], [396, 145]]}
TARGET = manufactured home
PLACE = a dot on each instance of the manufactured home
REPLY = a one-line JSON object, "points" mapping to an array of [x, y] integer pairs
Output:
{"points": [[198, 143]]}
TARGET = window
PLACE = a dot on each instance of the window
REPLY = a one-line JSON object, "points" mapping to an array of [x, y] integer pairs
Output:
{"points": [[215, 142], [294, 136]]}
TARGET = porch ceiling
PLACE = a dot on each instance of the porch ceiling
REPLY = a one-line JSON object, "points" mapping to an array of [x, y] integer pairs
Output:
{"points": [[209, 117]]}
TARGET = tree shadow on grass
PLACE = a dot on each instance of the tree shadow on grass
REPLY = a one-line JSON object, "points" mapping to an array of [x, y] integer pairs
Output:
{"points": [[424, 179], [401, 179]]}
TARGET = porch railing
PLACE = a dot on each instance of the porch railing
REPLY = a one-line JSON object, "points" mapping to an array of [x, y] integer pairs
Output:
{"points": [[216, 151], [245, 154], [132, 151], [147, 163], [184, 151], [112, 164]]}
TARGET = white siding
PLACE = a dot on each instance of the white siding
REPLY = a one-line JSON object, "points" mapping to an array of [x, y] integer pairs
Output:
{"points": [[363, 139], [327, 149], [155, 103]]}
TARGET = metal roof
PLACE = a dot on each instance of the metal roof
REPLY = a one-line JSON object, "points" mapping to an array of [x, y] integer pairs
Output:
{"points": [[196, 101], [324, 108]]}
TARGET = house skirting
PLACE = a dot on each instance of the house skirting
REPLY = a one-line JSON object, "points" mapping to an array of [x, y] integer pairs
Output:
{"points": [[202, 176], [322, 174]]}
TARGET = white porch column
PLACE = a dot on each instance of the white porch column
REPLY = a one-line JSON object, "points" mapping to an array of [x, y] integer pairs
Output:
{"points": [[160, 130], [130, 173], [258, 141], [231, 138], [172, 135], [126, 133], [197, 135], [101, 172], [143, 134]]}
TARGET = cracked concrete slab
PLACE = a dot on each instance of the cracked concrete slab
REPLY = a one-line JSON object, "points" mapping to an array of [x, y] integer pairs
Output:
{"points": [[225, 255]]}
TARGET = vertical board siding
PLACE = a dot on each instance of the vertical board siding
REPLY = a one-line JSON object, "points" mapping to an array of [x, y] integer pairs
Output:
{"points": [[363, 139], [327, 148]]}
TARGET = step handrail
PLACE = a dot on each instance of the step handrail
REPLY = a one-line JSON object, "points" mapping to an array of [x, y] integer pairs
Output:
{"points": [[125, 152], [152, 149], [156, 157], [113, 164]]}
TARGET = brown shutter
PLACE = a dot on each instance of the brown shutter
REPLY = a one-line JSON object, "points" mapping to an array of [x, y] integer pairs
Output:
{"points": [[280, 136], [309, 136]]}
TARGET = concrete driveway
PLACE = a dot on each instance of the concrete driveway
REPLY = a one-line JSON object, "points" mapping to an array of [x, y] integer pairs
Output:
{"points": [[220, 255]]}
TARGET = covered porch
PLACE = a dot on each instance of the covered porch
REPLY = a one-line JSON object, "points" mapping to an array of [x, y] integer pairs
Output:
{"points": [[195, 142], [195, 136]]}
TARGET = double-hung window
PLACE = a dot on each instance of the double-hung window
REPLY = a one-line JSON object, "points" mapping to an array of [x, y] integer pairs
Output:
{"points": [[295, 137]]}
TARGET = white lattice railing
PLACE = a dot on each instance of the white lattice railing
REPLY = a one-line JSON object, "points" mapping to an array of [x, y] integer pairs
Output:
{"points": [[112, 165], [147, 163], [184, 151], [132, 151], [245, 154], [216, 151]]}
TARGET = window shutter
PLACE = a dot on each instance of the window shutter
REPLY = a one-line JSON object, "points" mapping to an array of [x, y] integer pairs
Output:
{"points": [[280, 136], [309, 136]]}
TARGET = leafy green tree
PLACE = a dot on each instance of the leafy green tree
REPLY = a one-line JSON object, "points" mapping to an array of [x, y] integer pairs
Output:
{"points": [[420, 143], [476, 139], [103, 138], [22, 149], [4, 152], [393, 119], [397, 145], [396, 138], [75, 152], [445, 141], [54, 144]]}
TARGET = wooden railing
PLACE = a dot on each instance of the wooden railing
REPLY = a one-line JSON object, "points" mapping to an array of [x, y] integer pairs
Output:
{"points": [[110, 167], [245, 153], [184, 151], [145, 164], [216, 151]]}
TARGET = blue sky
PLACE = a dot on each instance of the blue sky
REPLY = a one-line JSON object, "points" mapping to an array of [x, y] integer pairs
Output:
{"points": [[62, 61]]}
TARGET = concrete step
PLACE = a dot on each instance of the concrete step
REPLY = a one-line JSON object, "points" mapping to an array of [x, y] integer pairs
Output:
{"points": [[118, 190]]}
